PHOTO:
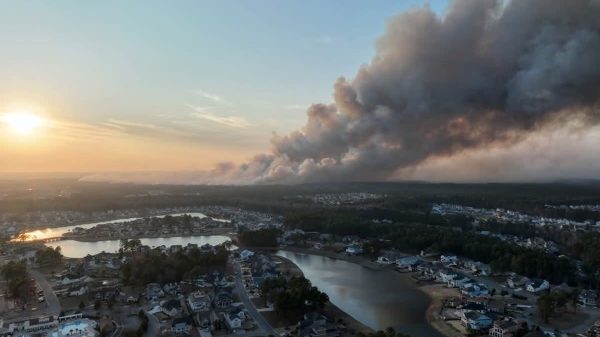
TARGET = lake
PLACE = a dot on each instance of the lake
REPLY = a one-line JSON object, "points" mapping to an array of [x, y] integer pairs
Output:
{"points": [[376, 298], [79, 249], [56, 232]]}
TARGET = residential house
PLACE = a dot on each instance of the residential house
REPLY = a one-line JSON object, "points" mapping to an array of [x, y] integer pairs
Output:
{"points": [[504, 328], [222, 300], [171, 308], [496, 306], [72, 278], [246, 254], [475, 290], [448, 258], [517, 281], [460, 281], [475, 320], [235, 318], [198, 301], [588, 298], [447, 275], [154, 291], [182, 325], [317, 325], [383, 260], [354, 249], [537, 285], [407, 261]]}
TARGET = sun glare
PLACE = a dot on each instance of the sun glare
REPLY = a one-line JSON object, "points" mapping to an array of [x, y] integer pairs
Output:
{"points": [[22, 122]]}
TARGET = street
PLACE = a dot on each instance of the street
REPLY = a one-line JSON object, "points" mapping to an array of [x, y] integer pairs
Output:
{"points": [[258, 318]]}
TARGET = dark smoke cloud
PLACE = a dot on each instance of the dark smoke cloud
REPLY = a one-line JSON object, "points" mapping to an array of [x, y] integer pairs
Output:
{"points": [[488, 73]]}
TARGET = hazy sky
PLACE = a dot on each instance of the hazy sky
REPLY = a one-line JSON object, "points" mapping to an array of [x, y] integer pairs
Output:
{"points": [[435, 90], [160, 85]]}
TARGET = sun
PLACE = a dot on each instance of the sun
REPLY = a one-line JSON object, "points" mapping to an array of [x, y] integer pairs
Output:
{"points": [[22, 122]]}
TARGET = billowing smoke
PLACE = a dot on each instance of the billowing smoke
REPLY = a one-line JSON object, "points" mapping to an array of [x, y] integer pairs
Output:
{"points": [[488, 73]]}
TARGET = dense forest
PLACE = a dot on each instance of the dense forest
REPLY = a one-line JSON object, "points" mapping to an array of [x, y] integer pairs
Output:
{"points": [[258, 238], [155, 266], [292, 298]]}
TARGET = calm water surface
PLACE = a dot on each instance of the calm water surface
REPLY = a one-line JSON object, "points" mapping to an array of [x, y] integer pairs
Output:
{"points": [[79, 249], [376, 298], [57, 232]]}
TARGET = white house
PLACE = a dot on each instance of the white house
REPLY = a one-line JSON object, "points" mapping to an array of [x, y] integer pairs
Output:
{"points": [[407, 261], [475, 321], [246, 254], [475, 290], [448, 258], [460, 281], [537, 285], [235, 318], [447, 275], [383, 260], [504, 328], [198, 301], [354, 249], [70, 279]]}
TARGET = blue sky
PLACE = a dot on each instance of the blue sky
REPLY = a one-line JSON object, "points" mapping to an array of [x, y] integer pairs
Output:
{"points": [[231, 71]]}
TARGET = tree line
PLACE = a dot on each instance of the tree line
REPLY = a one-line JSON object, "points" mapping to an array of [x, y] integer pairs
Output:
{"points": [[156, 266]]}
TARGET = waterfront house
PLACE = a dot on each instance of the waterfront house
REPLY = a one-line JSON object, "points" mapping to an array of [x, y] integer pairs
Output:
{"points": [[460, 281], [354, 249], [447, 275], [407, 261], [317, 325], [383, 260], [517, 281], [475, 290], [537, 285], [504, 328], [475, 321]]}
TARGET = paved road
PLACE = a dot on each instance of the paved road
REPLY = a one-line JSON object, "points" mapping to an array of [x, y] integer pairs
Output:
{"points": [[51, 307], [153, 326], [51, 298], [258, 318]]}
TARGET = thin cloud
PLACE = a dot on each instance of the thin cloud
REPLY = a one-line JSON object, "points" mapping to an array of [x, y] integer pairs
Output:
{"points": [[295, 107], [229, 121], [210, 96]]}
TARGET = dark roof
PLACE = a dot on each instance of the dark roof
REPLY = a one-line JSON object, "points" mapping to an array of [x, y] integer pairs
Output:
{"points": [[183, 320], [505, 324], [172, 304]]}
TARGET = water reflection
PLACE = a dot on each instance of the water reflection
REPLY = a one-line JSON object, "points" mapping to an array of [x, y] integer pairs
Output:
{"points": [[56, 232], [79, 249], [377, 298]]}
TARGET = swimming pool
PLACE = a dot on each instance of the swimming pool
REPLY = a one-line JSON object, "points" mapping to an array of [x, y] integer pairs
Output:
{"points": [[80, 327]]}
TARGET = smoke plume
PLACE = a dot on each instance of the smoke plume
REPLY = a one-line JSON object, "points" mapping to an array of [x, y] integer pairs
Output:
{"points": [[487, 73]]}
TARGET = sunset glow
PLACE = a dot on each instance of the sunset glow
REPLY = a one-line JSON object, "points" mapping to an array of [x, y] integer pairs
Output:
{"points": [[22, 122]]}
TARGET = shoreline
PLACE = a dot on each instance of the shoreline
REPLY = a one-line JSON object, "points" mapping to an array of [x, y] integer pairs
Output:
{"points": [[222, 232], [435, 293], [352, 325]]}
